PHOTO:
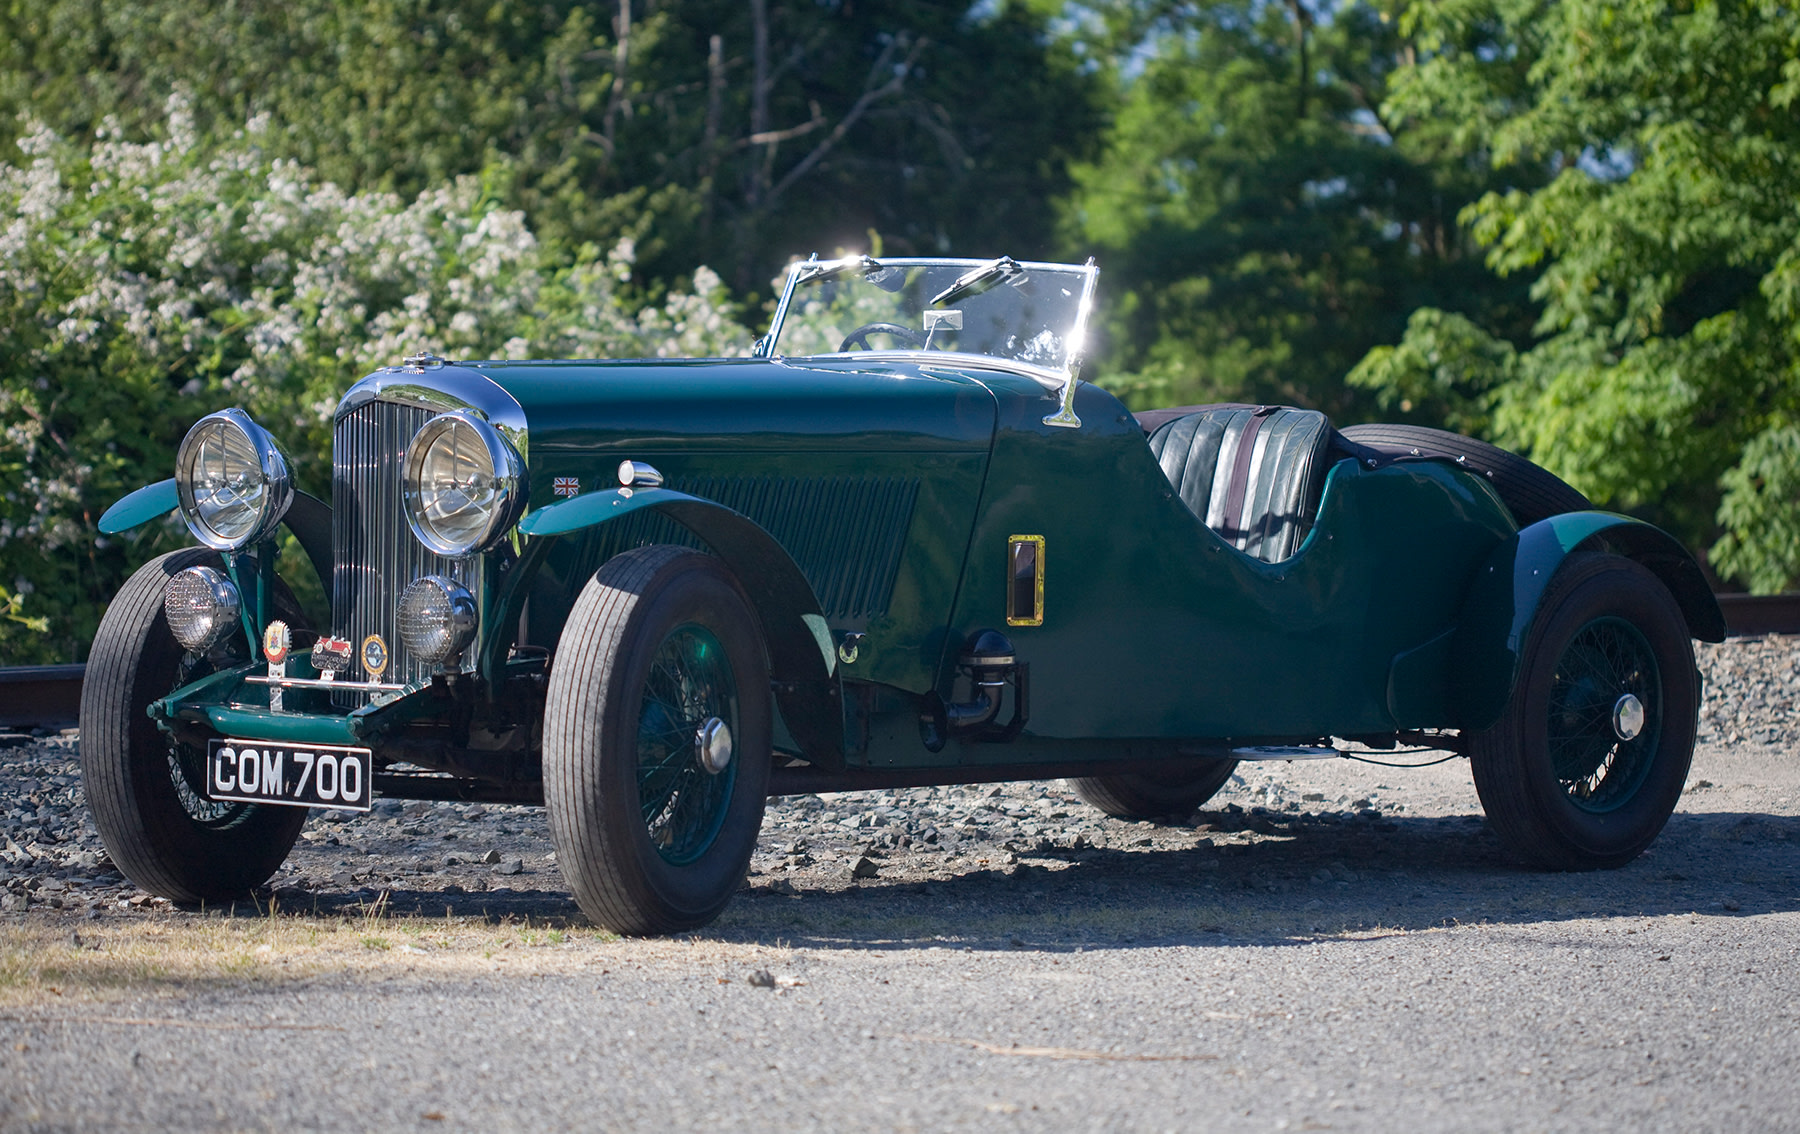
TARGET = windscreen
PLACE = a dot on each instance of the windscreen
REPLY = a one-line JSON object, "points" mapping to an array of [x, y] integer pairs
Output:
{"points": [[1020, 312]]}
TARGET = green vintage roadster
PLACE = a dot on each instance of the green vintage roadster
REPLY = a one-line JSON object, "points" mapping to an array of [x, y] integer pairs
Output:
{"points": [[900, 544]]}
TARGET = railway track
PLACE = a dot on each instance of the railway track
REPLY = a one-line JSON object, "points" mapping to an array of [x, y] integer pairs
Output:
{"points": [[49, 696], [40, 696], [1755, 615]]}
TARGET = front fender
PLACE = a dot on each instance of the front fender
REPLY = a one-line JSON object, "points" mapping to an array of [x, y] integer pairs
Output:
{"points": [[802, 655], [308, 517], [1499, 610], [140, 507]]}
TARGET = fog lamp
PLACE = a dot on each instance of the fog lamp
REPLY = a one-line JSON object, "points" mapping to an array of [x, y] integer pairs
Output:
{"points": [[202, 607], [437, 619]]}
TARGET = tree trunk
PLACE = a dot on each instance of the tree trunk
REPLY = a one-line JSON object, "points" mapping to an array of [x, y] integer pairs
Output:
{"points": [[759, 98]]}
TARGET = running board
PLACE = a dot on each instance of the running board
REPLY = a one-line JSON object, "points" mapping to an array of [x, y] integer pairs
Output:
{"points": [[1283, 752]]}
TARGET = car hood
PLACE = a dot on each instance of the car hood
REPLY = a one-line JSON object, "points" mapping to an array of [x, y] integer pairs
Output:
{"points": [[738, 404]]}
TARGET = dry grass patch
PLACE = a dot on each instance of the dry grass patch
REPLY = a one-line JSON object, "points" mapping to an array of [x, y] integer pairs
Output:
{"points": [[42, 958]]}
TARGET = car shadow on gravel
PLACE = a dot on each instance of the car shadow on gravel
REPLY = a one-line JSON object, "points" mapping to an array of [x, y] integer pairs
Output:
{"points": [[1291, 885], [1271, 880]]}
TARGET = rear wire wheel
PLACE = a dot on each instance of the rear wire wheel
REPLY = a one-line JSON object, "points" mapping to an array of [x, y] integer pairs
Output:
{"points": [[657, 741], [1588, 760], [147, 789]]}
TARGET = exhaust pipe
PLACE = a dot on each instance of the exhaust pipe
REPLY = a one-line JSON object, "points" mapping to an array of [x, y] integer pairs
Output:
{"points": [[991, 665]]}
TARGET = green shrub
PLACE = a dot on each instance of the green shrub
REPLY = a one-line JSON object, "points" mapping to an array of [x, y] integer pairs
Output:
{"points": [[145, 283]]}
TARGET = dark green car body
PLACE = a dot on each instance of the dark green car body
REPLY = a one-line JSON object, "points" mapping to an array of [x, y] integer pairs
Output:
{"points": [[649, 594], [877, 496]]}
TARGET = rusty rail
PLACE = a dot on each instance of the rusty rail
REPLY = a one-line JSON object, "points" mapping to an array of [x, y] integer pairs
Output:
{"points": [[40, 696], [1752, 615]]}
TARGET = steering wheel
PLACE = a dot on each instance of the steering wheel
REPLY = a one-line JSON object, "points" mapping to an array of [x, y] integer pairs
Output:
{"points": [[860, 336]]}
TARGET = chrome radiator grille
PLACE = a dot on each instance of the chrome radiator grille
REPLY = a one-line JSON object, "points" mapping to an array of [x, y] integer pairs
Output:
{"points": [[374, 552]]}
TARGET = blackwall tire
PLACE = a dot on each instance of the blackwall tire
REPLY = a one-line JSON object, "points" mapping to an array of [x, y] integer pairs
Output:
{"points": [[1155, 795], [141, 785], [1562, 786], [660, 642], [1531, 492]]}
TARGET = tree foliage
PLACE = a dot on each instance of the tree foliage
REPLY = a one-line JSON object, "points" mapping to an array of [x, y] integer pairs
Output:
{"points": [[143, 284], [1261, 219], [477, 178], [731, 134], [1567, 225], [1663, 376]]}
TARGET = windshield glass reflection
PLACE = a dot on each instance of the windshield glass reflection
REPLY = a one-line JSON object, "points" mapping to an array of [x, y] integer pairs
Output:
{"points": [[1027, 313]]}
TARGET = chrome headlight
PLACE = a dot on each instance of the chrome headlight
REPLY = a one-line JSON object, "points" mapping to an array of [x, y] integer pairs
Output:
{"points": [[232, 480], [463, 484], [202, 608], [437, 619]]}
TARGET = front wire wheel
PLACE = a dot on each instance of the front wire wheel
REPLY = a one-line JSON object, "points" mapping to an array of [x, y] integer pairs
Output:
{"points": [[1588, 760], [683, 802], [187, 771], [657, 741], [147, 789]]}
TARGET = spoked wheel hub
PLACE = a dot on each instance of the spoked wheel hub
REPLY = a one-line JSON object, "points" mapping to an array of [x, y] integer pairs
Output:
{"points": [[1604, 714], [685, 771]]}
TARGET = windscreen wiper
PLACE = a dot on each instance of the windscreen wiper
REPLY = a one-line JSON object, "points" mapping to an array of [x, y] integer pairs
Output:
{"points": [[816, 273], [977, 280]]}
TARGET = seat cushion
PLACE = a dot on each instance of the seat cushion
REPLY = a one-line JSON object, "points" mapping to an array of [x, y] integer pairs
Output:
{"points": [[1253, 474]]}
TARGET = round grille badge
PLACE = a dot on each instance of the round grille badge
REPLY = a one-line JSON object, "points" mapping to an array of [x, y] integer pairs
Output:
{"points": [[276, 642], [375, 655]]}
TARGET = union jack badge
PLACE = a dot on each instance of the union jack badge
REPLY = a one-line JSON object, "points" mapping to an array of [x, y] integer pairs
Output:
{"points": [[566, 485]]}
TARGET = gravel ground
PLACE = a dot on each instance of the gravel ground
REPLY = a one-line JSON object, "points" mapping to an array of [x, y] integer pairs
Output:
{"points": [[1325, 945], [474, 857]]}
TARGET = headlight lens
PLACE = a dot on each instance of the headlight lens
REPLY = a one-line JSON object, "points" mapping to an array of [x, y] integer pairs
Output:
{"points": [[463, 484], [202, 608], [437, 619], [232, 480]]}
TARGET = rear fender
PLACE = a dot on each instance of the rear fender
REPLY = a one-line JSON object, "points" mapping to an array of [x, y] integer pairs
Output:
{"points": [[802, 655], [308, 517], [1498, 613]]}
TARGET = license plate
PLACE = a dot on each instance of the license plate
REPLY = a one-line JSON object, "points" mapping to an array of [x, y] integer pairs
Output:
{"points": [[250, 771]]}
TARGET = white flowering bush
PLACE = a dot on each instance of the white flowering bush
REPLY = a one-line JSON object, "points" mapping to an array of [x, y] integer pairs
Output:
{"points": [[144, 283]]}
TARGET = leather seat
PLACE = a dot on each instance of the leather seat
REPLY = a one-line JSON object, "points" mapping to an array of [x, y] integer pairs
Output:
{"points": [[1253, 474]]}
